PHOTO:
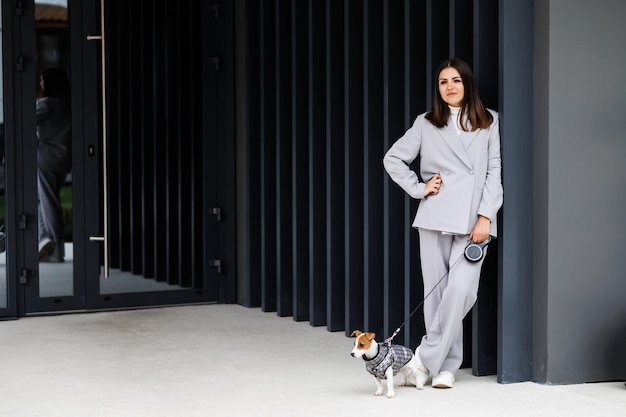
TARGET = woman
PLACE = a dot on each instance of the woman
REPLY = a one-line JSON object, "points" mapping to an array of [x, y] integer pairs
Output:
{"points": [[460, 190], [54, 158]]}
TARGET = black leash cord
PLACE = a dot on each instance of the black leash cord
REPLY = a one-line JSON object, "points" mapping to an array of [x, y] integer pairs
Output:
{"points": [[390, 338]]}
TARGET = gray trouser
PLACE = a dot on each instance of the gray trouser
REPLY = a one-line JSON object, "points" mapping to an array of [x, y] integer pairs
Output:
{"points": [[50, 211], [442, 346]]}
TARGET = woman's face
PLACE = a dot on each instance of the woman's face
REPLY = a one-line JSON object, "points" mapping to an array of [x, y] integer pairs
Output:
{"points": [[451, 87]]}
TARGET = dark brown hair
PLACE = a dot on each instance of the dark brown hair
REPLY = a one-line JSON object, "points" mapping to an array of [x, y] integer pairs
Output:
{"points": [[56, 83], [472, 108]]}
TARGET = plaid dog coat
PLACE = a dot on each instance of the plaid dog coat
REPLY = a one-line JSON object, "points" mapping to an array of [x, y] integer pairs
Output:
{"points": [[395, 356]]}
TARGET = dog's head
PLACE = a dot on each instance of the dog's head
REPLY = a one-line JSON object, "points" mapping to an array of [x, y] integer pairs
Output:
{"points": [[363, 343]]}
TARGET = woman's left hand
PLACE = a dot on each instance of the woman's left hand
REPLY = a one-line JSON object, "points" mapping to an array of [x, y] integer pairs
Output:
{"points": [[481, 230]]}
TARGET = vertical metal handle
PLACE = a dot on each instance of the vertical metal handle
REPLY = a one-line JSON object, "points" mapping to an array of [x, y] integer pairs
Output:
{"points": [[105, 186]]}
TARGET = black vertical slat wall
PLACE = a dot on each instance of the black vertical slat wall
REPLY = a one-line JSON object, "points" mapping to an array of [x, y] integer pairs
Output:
{"points": [[155, 137], [373, 177], [353, 161], [317, 181], [268, 86], [338, 83], [334, 166], [485, 339], [301, 66]]}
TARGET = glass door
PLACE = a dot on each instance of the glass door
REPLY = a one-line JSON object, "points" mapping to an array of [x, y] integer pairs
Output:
{"points": [[4, 296], [137, 210], [35, 158], [152, 157], [54, 151], [52, 282]]}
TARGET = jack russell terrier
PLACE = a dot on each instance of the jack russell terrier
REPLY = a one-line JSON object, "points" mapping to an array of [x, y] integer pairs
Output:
{"points": [[384, 361]]}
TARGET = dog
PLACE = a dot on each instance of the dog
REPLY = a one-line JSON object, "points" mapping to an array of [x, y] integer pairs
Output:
{"points": [[384, 361]]}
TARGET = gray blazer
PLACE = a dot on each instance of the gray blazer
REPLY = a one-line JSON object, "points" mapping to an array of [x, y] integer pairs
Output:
{"points": [[470, 167]]}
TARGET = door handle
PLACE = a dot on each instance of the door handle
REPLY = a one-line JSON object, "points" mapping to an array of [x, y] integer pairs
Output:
{"points": [[105, 185]]}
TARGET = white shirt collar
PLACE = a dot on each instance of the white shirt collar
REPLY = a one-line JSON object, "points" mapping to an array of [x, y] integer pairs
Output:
{"points": [[455, 114]]}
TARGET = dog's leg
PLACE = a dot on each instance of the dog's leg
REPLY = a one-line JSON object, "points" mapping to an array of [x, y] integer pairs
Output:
{"points": [[379, 387], [403, 376], [412, 365], [389, 375]]}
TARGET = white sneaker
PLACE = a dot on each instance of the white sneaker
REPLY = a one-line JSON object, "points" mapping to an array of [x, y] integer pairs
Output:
{"points": [[46, 246], [444, 379], [422, 372]]}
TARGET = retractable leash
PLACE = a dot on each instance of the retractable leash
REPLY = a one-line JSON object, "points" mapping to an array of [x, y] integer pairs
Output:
{"points": [[473, 252]]}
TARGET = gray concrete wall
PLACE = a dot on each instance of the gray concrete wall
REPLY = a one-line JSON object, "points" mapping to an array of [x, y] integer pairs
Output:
{"points": [[515, 332], [579, 191]]}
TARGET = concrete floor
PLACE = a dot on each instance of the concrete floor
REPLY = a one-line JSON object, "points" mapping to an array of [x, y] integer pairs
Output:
{"points": [[227, 360]]}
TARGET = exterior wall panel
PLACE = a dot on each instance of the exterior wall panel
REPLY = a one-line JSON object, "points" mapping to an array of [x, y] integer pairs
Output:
{"points": [[339, 83]]}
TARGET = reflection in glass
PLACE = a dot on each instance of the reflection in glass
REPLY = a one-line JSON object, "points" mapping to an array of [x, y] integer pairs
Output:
{"points": [[3, 258], [56, 276]]}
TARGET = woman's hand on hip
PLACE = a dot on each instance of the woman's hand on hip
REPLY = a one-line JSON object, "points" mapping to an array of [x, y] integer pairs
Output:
{"points": [[481, 230], [433, 185]]}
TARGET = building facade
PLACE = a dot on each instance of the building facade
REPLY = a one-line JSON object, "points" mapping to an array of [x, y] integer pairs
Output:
{"points": [[231, 152]]}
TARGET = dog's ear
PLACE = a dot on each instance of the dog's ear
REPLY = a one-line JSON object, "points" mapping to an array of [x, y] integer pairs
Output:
{"points": [[356, 333], [370, 336]]}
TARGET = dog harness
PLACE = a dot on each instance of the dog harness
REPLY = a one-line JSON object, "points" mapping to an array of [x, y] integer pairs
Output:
{"points": [[395, 356]]}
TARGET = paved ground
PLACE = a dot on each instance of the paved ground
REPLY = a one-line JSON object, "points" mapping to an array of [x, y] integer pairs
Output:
{"points": [[227, 360]]}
